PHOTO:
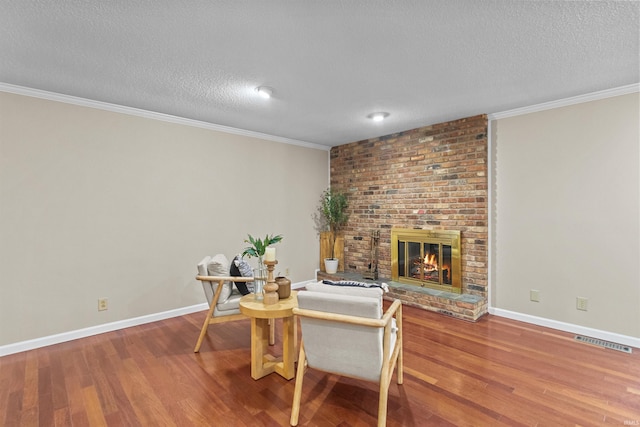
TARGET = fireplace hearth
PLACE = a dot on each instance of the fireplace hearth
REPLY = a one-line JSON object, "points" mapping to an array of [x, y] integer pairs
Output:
{"points": [[426, 258]]}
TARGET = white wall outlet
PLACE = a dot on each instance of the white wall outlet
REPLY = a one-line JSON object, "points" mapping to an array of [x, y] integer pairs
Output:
{"points": [[103, 304], [582, 303], [534, 295], [287, 272]]}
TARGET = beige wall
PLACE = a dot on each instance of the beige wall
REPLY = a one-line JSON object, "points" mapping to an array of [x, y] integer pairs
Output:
{"points": [[101, 204], [567, 212]]}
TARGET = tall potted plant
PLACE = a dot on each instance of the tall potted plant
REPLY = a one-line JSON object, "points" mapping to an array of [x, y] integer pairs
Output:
{"points": [[333, 215]]}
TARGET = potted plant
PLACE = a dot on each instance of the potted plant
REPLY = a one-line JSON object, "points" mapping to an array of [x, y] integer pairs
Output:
{"points": [[259, 246], [257, 249], [332, 216]]}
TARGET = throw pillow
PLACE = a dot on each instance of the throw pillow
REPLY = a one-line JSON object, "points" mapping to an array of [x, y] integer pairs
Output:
{"points": [[373, 292], [356, 284], [241, 268]]}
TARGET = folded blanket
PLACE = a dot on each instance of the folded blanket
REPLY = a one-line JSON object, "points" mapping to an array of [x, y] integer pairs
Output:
{"points": [[382, 286]]}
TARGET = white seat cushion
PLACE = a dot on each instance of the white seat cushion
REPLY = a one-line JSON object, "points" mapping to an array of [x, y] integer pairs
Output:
{"points": [[215, 266], [351, 350], [230, 306]]}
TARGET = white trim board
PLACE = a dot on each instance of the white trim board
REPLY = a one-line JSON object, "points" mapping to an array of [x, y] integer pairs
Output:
{"points": [[98, 329], [567, 327], [127, 323], [109, 327], [603, 94], [114, 108]]}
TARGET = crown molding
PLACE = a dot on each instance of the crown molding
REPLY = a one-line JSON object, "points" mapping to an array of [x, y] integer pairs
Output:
{"points": [[594, 96], [83, 102]]}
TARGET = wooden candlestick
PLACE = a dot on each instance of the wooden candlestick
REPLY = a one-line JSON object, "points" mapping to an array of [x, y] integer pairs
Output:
{"points": [[271, 288]]}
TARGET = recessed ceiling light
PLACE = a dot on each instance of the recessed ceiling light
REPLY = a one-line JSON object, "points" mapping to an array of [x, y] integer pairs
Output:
{"points": [[264, 91], [378, 117]]}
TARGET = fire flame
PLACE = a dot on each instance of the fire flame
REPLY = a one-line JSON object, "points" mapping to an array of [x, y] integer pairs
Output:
{"points": [[430, 262]]}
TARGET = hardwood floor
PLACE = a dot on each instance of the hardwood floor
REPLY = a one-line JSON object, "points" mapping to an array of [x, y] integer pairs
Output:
{"points": [[496, 372]]}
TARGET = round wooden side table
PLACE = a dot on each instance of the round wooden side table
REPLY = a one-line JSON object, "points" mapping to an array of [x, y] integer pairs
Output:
{"points": [[263, 363]]}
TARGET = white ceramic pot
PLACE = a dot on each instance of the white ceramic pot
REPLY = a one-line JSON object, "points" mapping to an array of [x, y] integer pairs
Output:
{"points": [[331, 265]]}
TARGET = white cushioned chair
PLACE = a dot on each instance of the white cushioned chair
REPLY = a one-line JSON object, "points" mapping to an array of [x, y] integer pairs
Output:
{"points": [[222, 296], [345, 332]]}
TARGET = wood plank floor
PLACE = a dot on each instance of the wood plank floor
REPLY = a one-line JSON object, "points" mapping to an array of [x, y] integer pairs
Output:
{"points": [[496, 372]]}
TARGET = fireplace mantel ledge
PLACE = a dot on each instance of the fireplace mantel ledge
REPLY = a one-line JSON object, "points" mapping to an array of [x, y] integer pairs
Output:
{"points": [[468, 307]]}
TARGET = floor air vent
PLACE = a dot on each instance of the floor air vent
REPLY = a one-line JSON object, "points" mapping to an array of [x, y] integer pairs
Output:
{"points": [[605, 344]]}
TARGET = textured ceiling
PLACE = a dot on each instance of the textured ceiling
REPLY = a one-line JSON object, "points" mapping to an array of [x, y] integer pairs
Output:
{"points": [[330, 62]]}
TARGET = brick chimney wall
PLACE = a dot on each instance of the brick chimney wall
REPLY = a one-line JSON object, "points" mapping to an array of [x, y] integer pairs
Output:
{"points": [[433, 177]]}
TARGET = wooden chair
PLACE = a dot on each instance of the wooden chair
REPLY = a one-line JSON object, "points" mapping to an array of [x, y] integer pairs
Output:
{"points": [[223, 298], [347, 334]]}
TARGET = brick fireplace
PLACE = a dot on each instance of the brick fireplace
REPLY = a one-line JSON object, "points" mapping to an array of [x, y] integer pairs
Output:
{"points": [[431, 178]]}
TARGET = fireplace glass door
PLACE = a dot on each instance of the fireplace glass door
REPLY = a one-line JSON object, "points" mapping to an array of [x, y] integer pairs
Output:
{"points": [[426, 258], [425, 262]]}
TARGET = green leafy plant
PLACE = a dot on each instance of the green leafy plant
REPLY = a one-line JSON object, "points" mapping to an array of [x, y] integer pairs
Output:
{"points": [[258, 246], [333, 209]]}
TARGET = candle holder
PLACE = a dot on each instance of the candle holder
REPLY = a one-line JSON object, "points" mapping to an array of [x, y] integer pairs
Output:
{"points": [[271, 288]]}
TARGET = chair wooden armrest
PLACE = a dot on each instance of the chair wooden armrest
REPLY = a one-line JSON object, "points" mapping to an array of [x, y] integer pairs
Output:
{"points": [[221, 279], [354, 320]]}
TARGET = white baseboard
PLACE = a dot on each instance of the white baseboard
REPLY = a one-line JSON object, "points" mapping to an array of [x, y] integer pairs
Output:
{"points": [[127, 323], [108, 327], [98, 329], [568, 327]]}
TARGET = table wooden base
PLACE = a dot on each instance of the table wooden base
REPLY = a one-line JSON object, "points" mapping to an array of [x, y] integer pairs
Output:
{"points": [[263, 363]]}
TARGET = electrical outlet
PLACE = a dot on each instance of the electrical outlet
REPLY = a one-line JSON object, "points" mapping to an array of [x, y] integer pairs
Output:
{"points": [[103, 304], [286, 271], [534, 295], [582, 303]]}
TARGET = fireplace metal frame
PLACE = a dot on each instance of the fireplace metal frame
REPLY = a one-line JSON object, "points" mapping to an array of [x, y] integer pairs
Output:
{"points": [[440, 237]]}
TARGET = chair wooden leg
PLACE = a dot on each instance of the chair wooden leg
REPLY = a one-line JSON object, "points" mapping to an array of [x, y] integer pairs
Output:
{"points": [[400, 362], [295, 337], [205, 325], [297, 391], [382, 403], [400, 370]]}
